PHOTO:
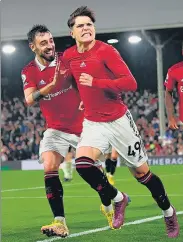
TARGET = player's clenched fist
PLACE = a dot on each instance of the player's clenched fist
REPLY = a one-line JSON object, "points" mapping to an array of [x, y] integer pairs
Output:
{"points": [[86, 79]]}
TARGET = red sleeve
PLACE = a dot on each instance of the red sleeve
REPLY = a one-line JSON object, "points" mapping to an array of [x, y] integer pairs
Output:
{"points": [[65, 59], [124, 79], [170, 81], [27, 78]]}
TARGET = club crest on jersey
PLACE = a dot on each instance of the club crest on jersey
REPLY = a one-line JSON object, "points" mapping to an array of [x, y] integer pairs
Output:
{"points": [[42, 82], [83, 64]]}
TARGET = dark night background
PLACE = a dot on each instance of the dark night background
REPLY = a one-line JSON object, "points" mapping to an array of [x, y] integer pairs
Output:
{"points": [[141, 58]]}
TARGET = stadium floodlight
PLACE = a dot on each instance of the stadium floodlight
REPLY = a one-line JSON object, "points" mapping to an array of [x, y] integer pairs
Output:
{"points": [[112, 41], [134, 39], [8, 49]]}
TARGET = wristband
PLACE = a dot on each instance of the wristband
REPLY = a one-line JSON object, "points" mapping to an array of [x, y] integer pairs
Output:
{"points": [[37, 95]]}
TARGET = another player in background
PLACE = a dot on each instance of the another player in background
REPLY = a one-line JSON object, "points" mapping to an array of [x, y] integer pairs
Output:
{"points": [[110, 165], [67, 166], [101, 76], [173, 80], [47, 81]]}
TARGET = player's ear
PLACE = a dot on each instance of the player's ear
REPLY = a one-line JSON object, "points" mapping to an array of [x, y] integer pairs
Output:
{"points": [[72, 34], [32, 46]]}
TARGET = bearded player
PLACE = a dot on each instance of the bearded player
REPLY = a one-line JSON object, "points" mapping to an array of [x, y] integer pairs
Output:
{"points": [[47, 81]]}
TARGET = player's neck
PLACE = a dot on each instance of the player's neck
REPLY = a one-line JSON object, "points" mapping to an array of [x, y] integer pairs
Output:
{"points": [[82, 47], [42, 61]]}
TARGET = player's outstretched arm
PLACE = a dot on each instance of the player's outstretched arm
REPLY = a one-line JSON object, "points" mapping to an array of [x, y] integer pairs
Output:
{"points": [[32, 94], [172, 124]]}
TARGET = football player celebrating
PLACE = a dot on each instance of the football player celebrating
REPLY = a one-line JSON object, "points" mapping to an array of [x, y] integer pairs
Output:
{"points": [[101, 75], [47, 81]]}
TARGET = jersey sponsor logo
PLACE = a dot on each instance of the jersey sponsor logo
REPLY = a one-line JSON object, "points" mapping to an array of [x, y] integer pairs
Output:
{"points": [[42, 82], [52, 95], [83, 64], [181, 88]]}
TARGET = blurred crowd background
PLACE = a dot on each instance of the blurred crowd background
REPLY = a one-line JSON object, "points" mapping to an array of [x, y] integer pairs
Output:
{"points": [[149, 47], [22, 127]]}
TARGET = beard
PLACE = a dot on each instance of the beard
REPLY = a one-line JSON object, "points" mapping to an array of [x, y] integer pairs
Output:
{"points": [[48, 58]]}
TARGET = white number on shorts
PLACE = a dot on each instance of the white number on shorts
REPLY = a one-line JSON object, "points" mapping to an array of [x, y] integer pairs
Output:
{"points": [[131, 151]]}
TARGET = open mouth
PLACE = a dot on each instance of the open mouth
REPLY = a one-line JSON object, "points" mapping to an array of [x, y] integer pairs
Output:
{"points": [[50, 52], [86, 34]]}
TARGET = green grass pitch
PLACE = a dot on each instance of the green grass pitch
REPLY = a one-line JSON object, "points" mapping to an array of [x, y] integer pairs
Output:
{"points": [[25, 211]]}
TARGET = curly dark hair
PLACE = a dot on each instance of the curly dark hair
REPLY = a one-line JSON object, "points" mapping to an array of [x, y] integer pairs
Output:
{"points": [[82, 11], [38, 28]]}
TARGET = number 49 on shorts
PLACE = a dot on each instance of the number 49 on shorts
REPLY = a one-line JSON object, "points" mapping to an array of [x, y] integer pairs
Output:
{"points": [[133, 149]]}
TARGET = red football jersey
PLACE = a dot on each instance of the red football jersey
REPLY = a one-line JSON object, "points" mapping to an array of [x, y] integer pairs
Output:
{"points": [[102, 102], [60, 107], [175, 78]]}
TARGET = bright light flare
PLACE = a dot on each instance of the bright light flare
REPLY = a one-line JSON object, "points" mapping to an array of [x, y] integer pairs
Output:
{"points": [[8, 49], [134, 39], [112, 41]]}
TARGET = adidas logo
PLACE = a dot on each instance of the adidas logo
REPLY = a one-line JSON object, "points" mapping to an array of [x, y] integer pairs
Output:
{"points": [[42, 82], [83, 64]]}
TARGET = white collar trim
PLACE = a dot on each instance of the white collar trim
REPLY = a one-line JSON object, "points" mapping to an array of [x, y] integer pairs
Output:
{"points": [[42, 67]]}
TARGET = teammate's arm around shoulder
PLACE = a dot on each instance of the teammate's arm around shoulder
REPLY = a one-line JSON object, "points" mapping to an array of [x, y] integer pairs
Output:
{"points": [[32, 94]]}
